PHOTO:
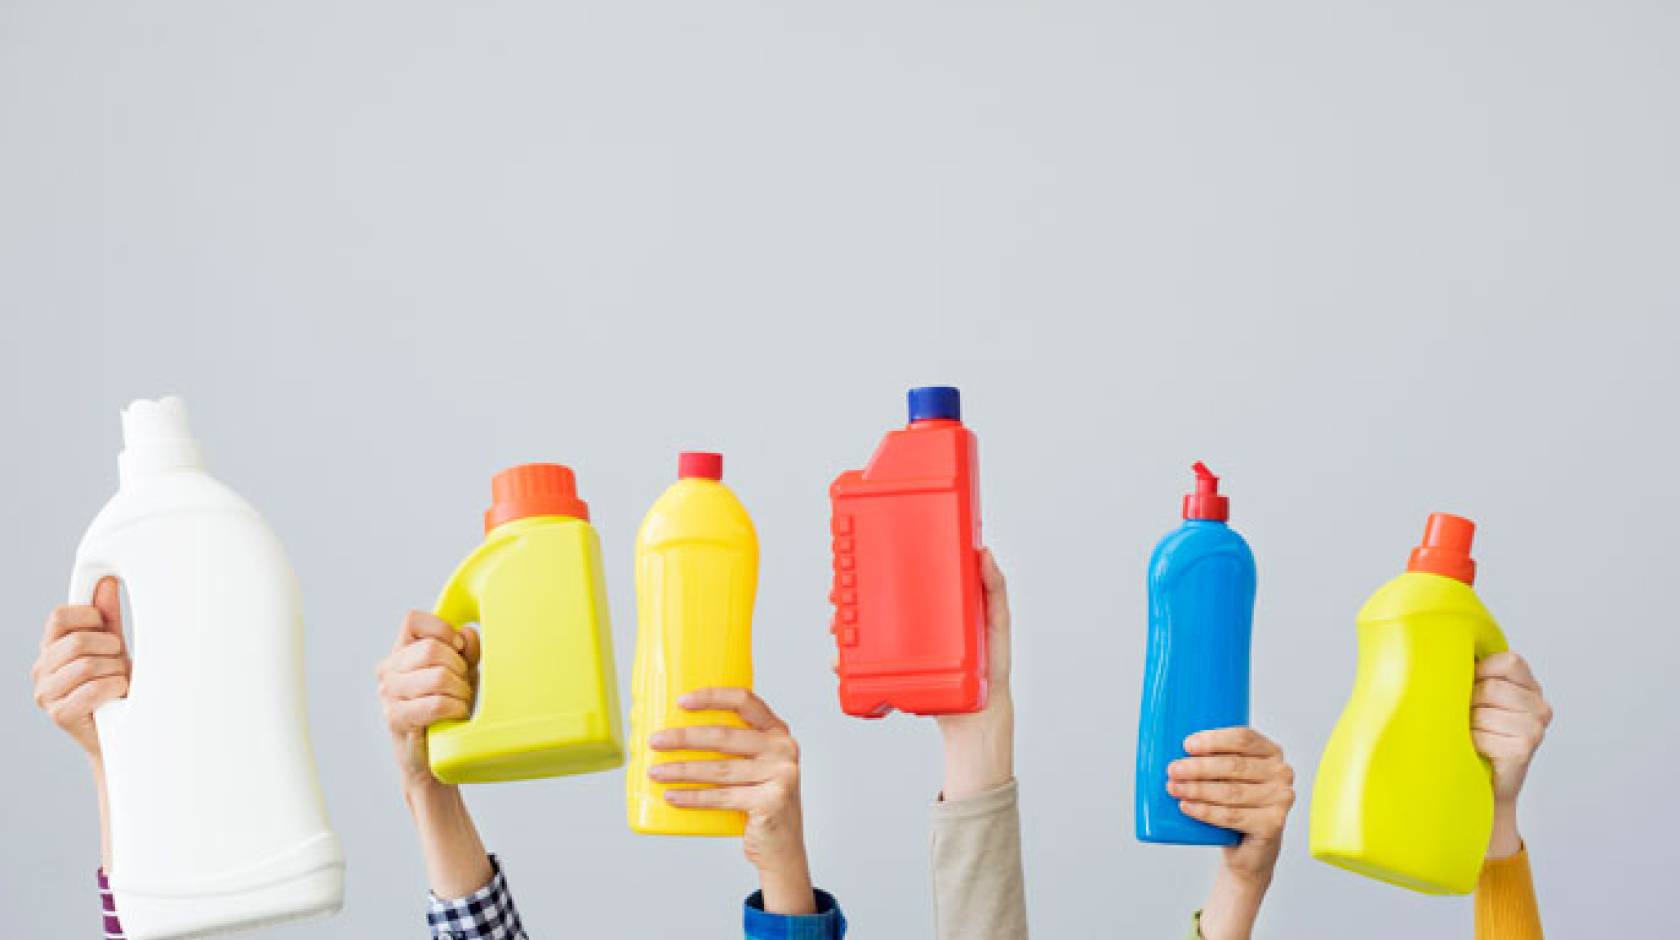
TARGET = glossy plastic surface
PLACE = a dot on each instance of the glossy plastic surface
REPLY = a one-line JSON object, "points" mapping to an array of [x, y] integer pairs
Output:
{"points": [[547, 701], [909, 619], [1401, 794], [217, 821], [696, 578], [1201, 608]]}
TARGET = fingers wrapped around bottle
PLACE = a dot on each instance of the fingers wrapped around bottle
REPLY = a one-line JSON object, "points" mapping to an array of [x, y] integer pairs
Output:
{"points": [[1236, 778], [760, 772], [430, 674]]}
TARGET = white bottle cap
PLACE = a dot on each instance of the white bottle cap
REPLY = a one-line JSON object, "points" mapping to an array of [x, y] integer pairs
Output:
{"points": [[156, 438]]}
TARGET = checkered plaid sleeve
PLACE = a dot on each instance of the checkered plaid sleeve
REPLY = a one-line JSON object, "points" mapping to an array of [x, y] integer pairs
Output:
{"points": [[108, 905], [486, 914]]}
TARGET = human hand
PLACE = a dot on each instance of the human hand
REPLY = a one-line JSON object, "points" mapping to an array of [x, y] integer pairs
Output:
{"points": [[761, 780], [83, 664], [1509, 715], [980, 748], [430, 675], [1236, 778]]}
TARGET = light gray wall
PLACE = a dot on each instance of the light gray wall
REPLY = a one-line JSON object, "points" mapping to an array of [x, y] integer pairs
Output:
{"points": [[1368, 260]]}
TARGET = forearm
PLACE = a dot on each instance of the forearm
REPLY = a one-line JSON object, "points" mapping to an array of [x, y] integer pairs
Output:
{"points": [[456, 862], [1232, 907], [787, 889], [98, 766], [980, 749]]}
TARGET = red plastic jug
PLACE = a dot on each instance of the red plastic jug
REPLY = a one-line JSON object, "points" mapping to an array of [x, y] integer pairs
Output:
{"points": [[909, 617]]}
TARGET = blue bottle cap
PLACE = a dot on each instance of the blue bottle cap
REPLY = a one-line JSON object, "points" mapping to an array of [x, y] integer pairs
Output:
{"points": [[932, 402]]}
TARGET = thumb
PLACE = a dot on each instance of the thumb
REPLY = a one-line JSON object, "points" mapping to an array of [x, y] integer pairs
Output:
{"points": [[107, 599], [996, 592], [473, 646]]}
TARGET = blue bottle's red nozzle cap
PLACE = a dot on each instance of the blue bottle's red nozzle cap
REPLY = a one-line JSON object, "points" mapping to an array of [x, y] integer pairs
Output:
{"points": [[935, 403], [1445, 549], [1206, 503], [696, 464]]}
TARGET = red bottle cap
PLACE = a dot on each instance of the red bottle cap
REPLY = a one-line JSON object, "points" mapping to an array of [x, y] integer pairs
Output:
{"points": [[1445, 549], [692, 464], [1206, 503], [533, 489]]}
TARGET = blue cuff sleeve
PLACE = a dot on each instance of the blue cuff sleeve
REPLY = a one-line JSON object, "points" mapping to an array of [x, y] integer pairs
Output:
{"points": [[828, 923]]}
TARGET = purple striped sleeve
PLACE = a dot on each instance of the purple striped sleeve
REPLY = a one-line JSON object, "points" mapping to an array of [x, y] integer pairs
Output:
{"points": [[108, 904]]}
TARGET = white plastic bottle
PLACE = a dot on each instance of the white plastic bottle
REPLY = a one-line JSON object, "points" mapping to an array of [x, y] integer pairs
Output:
{"points": [[217, 821]]}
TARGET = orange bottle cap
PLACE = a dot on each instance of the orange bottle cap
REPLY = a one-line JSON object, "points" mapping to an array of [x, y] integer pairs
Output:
{"points": [[1445, 549], [533, 489]]}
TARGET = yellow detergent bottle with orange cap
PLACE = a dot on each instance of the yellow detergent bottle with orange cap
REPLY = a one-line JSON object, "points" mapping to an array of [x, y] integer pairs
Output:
{"points": [[696, 576], [1401, 794], [547, 701]]}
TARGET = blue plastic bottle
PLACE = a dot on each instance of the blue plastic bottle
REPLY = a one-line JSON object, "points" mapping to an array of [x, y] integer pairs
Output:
{"points": [[1201, 612]]}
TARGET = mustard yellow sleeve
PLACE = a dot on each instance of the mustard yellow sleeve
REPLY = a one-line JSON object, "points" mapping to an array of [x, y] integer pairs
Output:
{"points": [[1506, 908]]}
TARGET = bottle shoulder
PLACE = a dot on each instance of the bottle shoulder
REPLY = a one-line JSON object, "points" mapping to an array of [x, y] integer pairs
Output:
{"points": [[170, 496], [696, 510], [532, 537], [1418, 593], [1194, 542], [914, 455]]}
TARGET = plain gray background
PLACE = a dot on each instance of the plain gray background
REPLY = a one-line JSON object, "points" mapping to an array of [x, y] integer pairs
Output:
{"points": [[1368, 260]]}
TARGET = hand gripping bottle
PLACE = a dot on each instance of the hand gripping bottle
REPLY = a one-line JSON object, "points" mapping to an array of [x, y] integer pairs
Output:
{"points": [[547, 701], [1201, 610], [696, 575], [217, 821], [909, 617], [1401, 794]]}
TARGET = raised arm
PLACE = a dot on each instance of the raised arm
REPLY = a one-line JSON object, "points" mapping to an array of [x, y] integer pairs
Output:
{"points": [[1236, 778], [83, 663], [763, 782], [979, 890], [1509, 715], [430, 676]]}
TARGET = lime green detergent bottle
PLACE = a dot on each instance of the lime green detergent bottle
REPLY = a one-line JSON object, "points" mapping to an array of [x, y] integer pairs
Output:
{"points": [[547, 701], [1401, 794]]}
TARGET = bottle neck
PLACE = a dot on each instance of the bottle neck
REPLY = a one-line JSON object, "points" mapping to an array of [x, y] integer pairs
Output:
{"points": [[150, 458], [524, 524]]}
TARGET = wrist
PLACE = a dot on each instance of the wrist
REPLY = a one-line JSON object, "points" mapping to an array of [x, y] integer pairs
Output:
{"points": [[429, 799], [980, 748], [416, 779], [1244, 884], [1504, 841]]}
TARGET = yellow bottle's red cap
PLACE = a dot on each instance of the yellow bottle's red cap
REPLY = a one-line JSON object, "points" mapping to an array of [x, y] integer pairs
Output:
{"points": [[703, 465], [1445, 549], [533, 489]]}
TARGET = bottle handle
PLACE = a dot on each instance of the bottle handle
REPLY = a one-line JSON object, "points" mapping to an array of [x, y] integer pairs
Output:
{"points": [[1489, 639]]}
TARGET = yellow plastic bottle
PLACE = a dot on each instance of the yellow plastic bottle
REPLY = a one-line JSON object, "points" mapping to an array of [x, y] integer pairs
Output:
{"points": [[696, 576], [547, 701], [1401, 794]]}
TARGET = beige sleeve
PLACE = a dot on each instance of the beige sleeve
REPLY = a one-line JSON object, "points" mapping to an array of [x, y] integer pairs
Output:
{"points": [[978, 888]]}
